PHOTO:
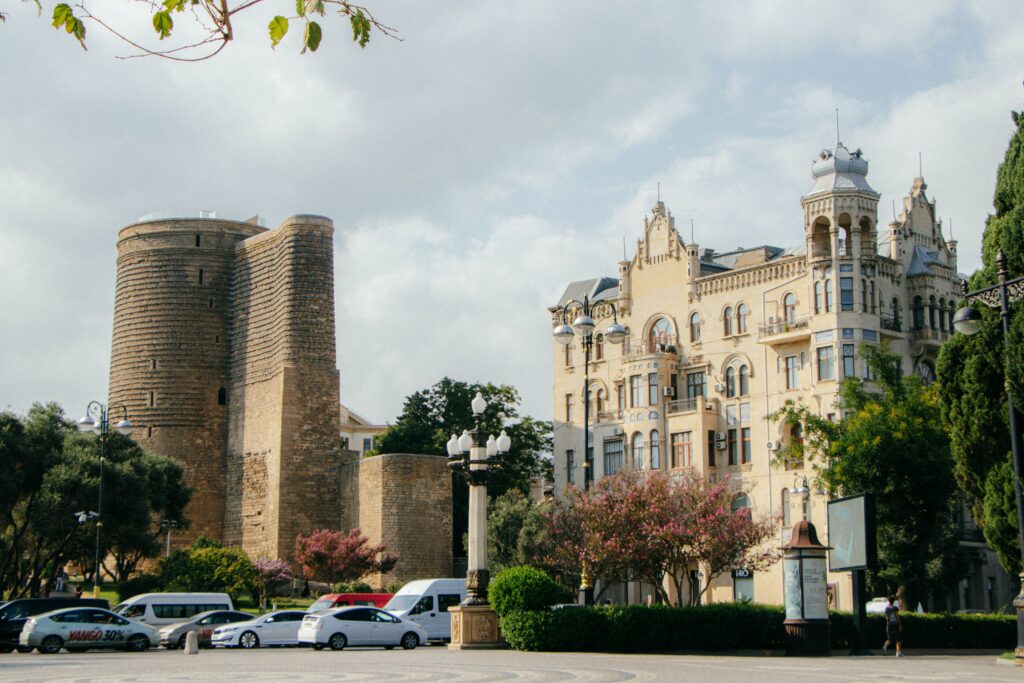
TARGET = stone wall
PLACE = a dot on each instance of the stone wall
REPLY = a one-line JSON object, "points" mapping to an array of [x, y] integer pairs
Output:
{"points": [[405, 501], [170, 349]]}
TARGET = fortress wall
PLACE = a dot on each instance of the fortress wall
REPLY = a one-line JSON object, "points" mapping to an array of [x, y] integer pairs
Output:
{"points": [[405, 500], [283, 438], [170, 349]]}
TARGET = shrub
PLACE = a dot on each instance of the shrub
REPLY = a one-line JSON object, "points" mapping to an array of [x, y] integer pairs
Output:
{"points": [[524, 589], [732, 626], [143, 583]]}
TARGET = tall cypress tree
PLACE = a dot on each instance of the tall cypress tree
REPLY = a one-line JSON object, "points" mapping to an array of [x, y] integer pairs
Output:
{"points": [[975, 372]]}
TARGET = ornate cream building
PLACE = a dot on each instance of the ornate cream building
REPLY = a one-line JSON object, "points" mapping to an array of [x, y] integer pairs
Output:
{"points": [[718, 341]]}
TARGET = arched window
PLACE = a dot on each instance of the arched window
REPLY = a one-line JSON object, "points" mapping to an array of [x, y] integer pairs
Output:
{"points": [[942, 315], [828, 295], [638, 450], [727, 321], [787, 517], [655, 450], [741, 502], [730, 382], [817, 297], [661, 336], [864, 296], [873, 310], [222, 394], [625, 342], [931, 312], [694, 327], [896, 312], [949, 318], [789, 308], [918, 313], [744, 380], [601, 403], [598, 347], [742, 313]]}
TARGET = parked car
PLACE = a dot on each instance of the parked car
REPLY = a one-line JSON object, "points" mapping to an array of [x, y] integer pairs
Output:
{"points": [[158, 609], [273, 628], [173, 636], [84, 628], [15, 613], [426, 602], [877, 605], [349, 599], [359, 627]]}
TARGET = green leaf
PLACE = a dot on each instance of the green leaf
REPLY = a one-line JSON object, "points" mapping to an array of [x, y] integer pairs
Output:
{"points": [[163, 24], [300, 7], [61, 14], [278, 28], [174, 5], [313, 35], [317, 6], [360, 28]]}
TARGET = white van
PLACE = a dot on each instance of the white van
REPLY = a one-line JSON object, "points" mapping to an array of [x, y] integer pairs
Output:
{"points": [[426, 602], [157, 609]]}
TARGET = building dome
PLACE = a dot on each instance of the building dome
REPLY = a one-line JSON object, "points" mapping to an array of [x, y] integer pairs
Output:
{"points": [[840, 169]]}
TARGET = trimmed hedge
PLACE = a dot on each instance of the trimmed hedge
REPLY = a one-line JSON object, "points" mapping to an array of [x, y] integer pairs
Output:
{"points": [[732, 626], [143, 583], [523, 589]]}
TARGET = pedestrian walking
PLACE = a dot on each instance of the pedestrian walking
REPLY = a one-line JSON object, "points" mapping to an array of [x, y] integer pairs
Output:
{"points": [[893, 628]]}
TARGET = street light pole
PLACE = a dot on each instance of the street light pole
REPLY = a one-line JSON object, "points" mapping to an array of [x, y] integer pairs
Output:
{"points": [[584, 325], [169, 524], [968, 321], [97, 420]]}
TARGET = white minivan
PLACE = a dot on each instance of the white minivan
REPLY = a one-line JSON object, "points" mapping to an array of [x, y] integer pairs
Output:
{"points": [[157, 609], [426, 602]]}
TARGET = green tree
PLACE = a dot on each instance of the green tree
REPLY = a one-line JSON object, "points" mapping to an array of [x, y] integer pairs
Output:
{"points": [[890, 442], [515, 531], [429, 418], [207, 566], [214, 22], [974, 372]]}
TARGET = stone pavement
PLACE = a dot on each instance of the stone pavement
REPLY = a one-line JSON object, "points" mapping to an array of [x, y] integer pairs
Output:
{"points": [[442, 665]]}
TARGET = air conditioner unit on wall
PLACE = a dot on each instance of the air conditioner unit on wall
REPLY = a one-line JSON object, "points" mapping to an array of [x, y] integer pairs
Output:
{"points": [[771, 446], [720, 445], [668, 391], [719, 388], [616, 431], [720, 436]]}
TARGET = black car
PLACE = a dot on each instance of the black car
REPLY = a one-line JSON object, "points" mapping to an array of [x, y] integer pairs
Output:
{"points": [[15, 613]]}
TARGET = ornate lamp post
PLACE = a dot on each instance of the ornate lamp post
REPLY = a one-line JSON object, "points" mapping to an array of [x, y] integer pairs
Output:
{"points": [[474, 623], [97, 419], [584, 325], [968, 321]]}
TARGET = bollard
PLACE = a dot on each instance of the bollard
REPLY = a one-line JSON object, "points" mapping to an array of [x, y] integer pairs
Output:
{"points": [[192, 643]]}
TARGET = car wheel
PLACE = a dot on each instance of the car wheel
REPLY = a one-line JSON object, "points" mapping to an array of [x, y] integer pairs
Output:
{"points": [[248, 640], [389, 647], [338, 641], [5, 650], [317, 646], [410, 641], [51, 645], [138, 643]]}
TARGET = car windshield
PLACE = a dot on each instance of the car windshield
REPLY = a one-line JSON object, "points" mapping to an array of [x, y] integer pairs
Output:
{"points": [[400, 603], [322, 603]]}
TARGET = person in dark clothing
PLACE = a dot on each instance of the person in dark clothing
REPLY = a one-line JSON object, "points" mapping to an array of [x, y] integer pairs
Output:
{"points": [[893, 628]]}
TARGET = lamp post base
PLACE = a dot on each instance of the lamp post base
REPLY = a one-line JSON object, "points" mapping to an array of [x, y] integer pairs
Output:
{"points": [[1018, 604], [475, 627]]}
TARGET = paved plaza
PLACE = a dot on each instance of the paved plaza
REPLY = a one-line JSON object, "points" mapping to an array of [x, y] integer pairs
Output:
{"points": [[442, 665]]}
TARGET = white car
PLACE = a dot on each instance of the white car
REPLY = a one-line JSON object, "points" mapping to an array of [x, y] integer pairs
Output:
{"points": [[359, 627], [84, 628], [273, 628]]}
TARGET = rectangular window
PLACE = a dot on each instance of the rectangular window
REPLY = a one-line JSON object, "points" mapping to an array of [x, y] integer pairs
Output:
{"points": [[695, 385], [152, 399], [200, 276], [612, 456], [732, 446], [849, 361], [652, 388], [846, 293], [570, 467], [682, 449], [744, 413], [826, 364], [568, 355], [730, 415], [367, 445], [568, 407], [620, 397], [869, 373], [745, 445], [636, 398], [792, 376], [711, 448]]}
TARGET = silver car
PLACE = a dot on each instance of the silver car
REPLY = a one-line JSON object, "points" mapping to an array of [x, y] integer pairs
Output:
{"points": [[172, 636], [85, 628]]}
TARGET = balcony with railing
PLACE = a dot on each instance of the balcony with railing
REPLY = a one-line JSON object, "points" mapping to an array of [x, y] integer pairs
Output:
{"points": [[637, 347], [691, 405], [784, 330], [930, 336], [890, 323]]}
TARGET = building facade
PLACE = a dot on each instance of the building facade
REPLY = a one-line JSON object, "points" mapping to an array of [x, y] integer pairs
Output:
{"points": [[718, 341], [224, 355]]}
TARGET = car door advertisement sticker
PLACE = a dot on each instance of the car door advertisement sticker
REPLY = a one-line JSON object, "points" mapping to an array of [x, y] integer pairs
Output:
{"points": [[94, 635]]}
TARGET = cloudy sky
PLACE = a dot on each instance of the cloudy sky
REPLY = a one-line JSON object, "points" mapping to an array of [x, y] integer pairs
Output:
{"points": [[500, 151]]}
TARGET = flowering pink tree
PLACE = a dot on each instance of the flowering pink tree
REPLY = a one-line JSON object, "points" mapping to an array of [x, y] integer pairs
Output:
{"points": [[271, 574], [653, 528], [334, 556]]}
